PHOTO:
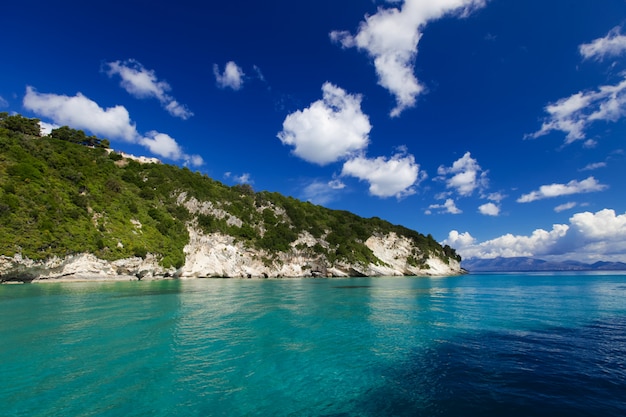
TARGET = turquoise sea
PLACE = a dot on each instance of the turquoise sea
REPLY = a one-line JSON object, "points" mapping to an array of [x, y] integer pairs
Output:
{"points": [[473, 345]]}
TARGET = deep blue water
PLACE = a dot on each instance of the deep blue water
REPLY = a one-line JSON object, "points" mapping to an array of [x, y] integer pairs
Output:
{"points": [[475, 345]]}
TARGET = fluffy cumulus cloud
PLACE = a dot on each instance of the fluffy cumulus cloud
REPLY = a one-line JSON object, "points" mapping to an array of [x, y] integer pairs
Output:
{"points": [[464, 176], [460, 240], [395, 176], [80, 112], [391, 37], [588, 237], [612, 45], [162, 144], [489, 209], [143, 83], [449, 206], [329, 129], [231, 77], [46, 128], [556, 190], [509, 245]]}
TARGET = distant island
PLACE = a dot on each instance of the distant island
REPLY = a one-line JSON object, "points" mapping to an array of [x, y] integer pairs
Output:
{"points": [[528, 264], [72, 208]]}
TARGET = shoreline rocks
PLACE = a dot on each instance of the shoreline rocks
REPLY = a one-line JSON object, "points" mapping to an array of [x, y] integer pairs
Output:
{"points": [[218, 255]]}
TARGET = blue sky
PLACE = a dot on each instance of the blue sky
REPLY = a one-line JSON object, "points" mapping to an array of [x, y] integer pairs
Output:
{"points": [[498, 127]]}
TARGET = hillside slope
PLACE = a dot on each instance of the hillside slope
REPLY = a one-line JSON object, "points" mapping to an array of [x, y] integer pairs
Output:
{"points": [[70, 207]]}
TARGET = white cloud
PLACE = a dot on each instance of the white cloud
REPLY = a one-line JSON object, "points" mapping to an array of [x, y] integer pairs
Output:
{"points": [[448, 207], [195, 160], [244, 178], [395, 176], [590, 143], [329, 129], [556, 190], [391, 36], [602, 225], [46, 128], [259, 74], [591, 167], [232, 77], [322, 192], [336, 184], [613, 44], [459, 240], [489, 209], [3, 102], [164, 145], [538, 243], [464, 176], [497, 197], [80, 112], [574, 114], [589, 237], [178, 110], [564, 207], [143, 83]]}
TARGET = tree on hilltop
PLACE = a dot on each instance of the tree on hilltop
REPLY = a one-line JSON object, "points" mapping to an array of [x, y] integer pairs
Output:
{"points": [[20, 124], [68, 134]]}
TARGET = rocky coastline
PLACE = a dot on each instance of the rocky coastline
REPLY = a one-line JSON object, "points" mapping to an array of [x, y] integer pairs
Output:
{"points": [[221, 256]]}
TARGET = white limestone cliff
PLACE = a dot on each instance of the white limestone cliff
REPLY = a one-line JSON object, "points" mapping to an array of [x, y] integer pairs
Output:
{"points": [[219, 255]]}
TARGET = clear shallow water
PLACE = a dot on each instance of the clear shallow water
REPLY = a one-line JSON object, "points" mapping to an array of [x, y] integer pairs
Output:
{"points": [[476, 345]]}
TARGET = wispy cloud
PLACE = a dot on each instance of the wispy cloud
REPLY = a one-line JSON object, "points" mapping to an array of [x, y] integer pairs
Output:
{"points": [[593, 166], [391, 37], [231, 77], [322, 192], [574, 114], [556, 190], [80, 112], [497, 197], [611, 45], [329, 129], [566, 206], [3, 102], [448, 206], [244, 178], [143, 83]]}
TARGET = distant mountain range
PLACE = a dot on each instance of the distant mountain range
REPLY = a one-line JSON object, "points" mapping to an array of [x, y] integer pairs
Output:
{"points": [[526, 264]]}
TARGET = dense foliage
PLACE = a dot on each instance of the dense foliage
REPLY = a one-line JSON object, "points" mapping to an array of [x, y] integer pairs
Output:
{"points": [[60, 197]]}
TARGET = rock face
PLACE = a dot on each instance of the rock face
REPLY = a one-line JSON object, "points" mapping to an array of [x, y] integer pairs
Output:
{"points": [[83, 267], [219, 255]]}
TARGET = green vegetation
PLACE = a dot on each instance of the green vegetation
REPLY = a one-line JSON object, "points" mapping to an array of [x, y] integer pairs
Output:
{"points": [[67, 193]]}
